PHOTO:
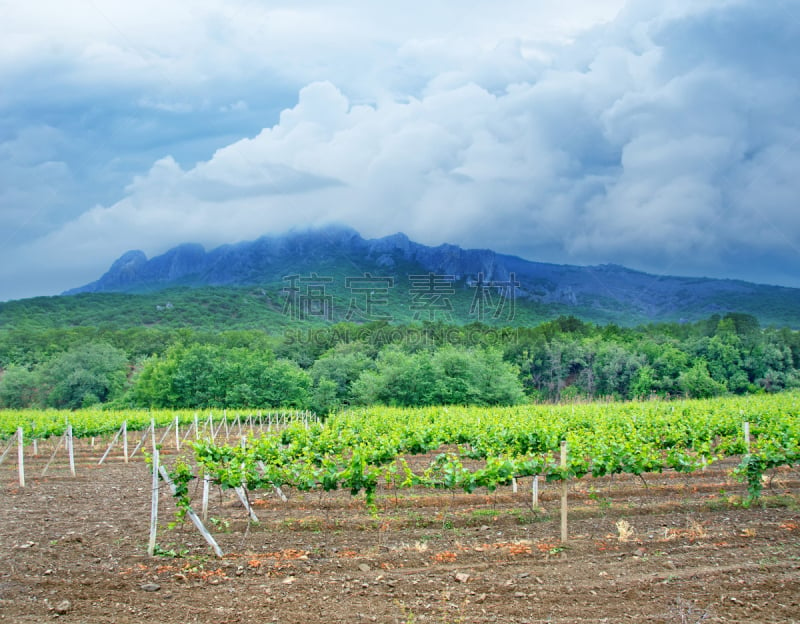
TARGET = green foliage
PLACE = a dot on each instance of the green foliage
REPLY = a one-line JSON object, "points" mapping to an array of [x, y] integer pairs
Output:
{"points": [[218, 376], [19, 388], [355, 449], [697, 383], [447, 376], [84, 376], [332, 367]]}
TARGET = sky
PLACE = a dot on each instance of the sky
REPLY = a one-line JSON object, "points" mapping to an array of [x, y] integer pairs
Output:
{"points": [[663, 135]]}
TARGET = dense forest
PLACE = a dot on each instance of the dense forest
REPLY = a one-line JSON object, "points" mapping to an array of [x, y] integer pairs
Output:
{"points": [[328, 368]]}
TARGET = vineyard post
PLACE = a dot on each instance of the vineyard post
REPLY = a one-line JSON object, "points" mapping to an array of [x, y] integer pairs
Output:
{"points": [[225, 422], [151, 547], [746, 426], [71, 450], [277, 489], [144, 437], [166, 433], [204, 508], [196, 427], [177, 434], [514, 485], [111, 445], [192, 516], [535, 491], [8, 448], [242, 494], [564, 487], [52, 457], [125, 440], [21, 457]]}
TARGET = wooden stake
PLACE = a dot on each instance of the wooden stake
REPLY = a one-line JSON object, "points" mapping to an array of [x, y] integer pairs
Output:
{"points": [[144, 437], [55, 450], [746, 426], [8, 448], [243, 497], [111, 445], [164, 435], [277, 489], [151, 547], [206, 483], [514, 485], [71, 450], [564, 487], [535, 491], [193, 516], [125, 440], [21, 457], [177, 435]]}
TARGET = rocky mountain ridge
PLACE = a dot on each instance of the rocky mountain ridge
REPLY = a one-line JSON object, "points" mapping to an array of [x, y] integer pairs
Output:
{"points": [[611, 289]]}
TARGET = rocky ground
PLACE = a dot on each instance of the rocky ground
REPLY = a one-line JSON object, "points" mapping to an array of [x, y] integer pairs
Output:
{"points": [[682, 550]]}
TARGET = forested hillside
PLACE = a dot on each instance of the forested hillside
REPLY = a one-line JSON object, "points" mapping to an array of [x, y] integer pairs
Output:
{"points": [[327, 368]]}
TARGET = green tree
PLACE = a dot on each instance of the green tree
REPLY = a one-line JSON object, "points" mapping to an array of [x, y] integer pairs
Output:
{"points": [[697, 382], [202, 376], [85, 375], [447, 376], [342, 365], [19, 388]]}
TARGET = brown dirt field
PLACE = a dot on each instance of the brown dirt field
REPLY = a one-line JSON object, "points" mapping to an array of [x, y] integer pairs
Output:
{"points": [[693, 554]]}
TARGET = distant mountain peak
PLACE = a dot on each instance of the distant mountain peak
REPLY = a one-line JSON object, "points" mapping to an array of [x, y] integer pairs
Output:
{"points": [[607, 290]]}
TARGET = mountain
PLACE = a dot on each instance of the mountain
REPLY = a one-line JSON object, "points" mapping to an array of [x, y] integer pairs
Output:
{"points": [[479, 281]]}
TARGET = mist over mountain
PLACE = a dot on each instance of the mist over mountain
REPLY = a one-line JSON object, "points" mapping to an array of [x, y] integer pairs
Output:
{"points": [[609, 292]]}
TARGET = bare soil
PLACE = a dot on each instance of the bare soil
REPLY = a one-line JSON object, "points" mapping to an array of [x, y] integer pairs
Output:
{"points": [[681, 549]]}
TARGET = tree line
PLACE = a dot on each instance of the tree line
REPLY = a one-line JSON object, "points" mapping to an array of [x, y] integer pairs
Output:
{"points": [[326, 369]]}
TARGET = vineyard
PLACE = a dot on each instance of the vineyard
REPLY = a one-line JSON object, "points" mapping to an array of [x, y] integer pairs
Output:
{"points": [[681, 511], [358, 450]]}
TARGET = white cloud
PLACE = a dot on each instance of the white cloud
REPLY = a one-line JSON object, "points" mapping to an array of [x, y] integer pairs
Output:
{"points": [[650, 141]]}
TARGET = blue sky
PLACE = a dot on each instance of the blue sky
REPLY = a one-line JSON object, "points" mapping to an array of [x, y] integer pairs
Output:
{"points": [[663, 135]]}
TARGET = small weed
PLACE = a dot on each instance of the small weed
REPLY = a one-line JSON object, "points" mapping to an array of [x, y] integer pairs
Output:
{"points": [[170, 552], [220, 524], [418, 521], [685, 612], [602, 501], [407, 614], [625, 530]]}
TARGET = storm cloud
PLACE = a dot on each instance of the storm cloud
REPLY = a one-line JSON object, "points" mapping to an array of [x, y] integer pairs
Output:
{"points": [[664, 136]]}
